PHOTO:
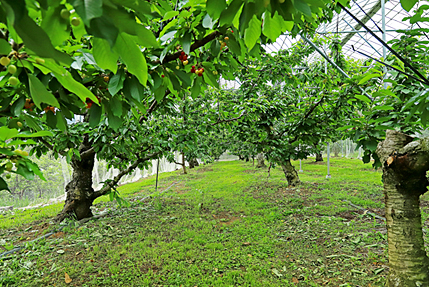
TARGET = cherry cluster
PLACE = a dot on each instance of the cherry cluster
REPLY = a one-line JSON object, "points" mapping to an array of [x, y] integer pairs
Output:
{"points": [[199, 71], [184, 58], [29, 104]]}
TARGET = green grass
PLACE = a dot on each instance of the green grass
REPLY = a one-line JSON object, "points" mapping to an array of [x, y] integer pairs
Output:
{"points": [[224, 224]]}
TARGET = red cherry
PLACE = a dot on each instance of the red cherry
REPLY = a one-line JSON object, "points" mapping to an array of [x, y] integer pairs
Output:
{"points": [[162, 76], [200, 75], [185, 58], [193, 67], [183, 53], [181, 58]]}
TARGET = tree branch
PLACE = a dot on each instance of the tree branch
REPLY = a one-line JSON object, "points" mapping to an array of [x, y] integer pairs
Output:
{"points": [[108, 186], [194, 46], [229, 120]]}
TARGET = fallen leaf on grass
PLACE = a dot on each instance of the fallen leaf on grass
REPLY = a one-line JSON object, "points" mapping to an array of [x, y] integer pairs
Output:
{"points": [[294, 280], [67, 278], [246, 243]]}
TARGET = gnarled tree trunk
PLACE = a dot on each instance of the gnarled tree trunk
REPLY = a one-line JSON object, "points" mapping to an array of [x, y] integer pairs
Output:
{"points": [[319, 156], [290, 173], [405, 163], [79, 190], [261, 160], [193, 162]]}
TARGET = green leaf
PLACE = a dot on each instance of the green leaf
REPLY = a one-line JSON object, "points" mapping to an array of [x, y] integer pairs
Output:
{"points": [[228, 15], [104, 55], [116, 83], [104, 27], [3, 184], [170, 14], [40, 94], [5, 47], [132, 56], [34, 168], [56, 27], [116, 106], [133, 87], [94, 115], [61, 122], [272, 27], [51, 120], [88, 9], [208, 22], [367, 78], [408, 4], [7, 133], [114, 122], [36, 39], [185, 78], [126, 22], [363, 98], [215, 7], [186, 43], [302, 7], [252, 33], [21, 142], [160, 93], [35, 135], [196, 88], [32, 123], [384, 108], [68, 82], [25, 172]]}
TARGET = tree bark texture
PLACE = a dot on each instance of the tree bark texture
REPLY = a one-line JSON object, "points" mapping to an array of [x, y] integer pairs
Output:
{"points": [[405, 163], [319, 156], [79, 190], [261, 161], [193, 162], [290, 173]]}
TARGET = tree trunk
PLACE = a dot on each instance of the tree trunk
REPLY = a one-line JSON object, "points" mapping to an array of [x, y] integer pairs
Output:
{"points": [[79, 190], [405, 163], [184, 164], [193, 162], [319, 156], [290, 173], [261, 161]]}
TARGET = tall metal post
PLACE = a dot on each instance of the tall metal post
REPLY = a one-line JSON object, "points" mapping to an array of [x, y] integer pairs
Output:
{"points": [[157, 173], [383, 28], [328, 151], [324, 48]]}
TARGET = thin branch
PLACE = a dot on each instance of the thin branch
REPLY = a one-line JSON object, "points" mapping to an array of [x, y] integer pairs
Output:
{"points": [[229, 120], [151, 109], [106, 189]]}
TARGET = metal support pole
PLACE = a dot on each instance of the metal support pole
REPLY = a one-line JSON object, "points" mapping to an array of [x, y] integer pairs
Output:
{"points": [[383, 28], [328, 151], [157, 172], [324, 48], [332, 63]]}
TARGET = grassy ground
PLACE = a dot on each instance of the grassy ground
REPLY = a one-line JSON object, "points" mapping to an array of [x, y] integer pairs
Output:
{"points": [[224, 224]]}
